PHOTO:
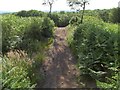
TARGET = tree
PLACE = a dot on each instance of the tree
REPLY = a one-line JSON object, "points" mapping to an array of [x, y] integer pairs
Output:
{"points": [[22, 13], [30, 13], [104, 14], [115, 15], [76, 4], [50, 3]]}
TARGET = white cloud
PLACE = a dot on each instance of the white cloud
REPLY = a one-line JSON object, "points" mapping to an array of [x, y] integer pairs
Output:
{"points": [[17, 5]]}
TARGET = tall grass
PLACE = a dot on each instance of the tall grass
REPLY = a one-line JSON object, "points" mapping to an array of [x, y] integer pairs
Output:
{"points": [[25, 40], [15, 73]]}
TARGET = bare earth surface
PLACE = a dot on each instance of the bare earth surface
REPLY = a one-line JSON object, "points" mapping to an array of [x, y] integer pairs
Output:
{"points": [[59, 66]]}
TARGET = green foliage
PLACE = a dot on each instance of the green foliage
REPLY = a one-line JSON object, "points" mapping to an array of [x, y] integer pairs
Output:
{"points": [[112, 83], [55, 18], [30, 46], [94, 13], [115, 15], [12, 29], [95, 44], [31, 35], [74, 20], [107, 15], [39, 31], [47, 28], [22, 13], [63, 20], [15, 73], [0, 35], [104, 15], [34, 74], [21, 72], [60, 19], [18, 32], [30, 13]]}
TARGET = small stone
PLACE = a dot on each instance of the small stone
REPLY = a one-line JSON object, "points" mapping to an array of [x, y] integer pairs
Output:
{"points": [[68, 71]]}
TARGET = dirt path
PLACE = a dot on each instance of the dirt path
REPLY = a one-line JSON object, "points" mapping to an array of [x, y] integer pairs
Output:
{"points": [[59, 66]]}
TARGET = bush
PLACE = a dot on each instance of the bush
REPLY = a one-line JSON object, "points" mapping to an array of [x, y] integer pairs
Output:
{"points": [[39, 31], [104, 15], [95, 45], [28, 34], [18, 32], [47, 28], [63, 20], [74, 20], [60, 19], [55, 18], [115, 15], [112, 83], [12, 29], [30, 13]]}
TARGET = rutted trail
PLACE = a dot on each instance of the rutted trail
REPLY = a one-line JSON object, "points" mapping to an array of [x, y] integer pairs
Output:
{"points": [[59, 66]]}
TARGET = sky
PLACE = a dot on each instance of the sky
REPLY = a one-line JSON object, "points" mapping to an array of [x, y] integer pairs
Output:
{"points": [[59, 5]]}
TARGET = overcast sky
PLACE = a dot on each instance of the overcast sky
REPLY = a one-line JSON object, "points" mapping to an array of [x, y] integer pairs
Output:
{"points": [[59, 5]]}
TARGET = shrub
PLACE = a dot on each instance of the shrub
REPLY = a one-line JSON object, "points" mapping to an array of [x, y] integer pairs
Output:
{"points": [[63, 20], [104, 15], [30, 13], [74, 20], [31, 35], [55, 18], [39, 31], [95, 45], [47, 28], [18, 32], [115, 15], [60, 19], [12, 29]]}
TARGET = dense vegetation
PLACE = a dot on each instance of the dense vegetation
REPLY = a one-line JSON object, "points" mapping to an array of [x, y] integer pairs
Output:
{"points": [[95, 45], [24, 41], [27, 34]]}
